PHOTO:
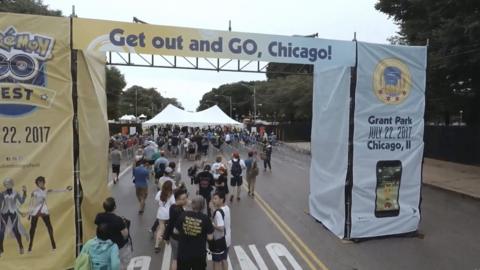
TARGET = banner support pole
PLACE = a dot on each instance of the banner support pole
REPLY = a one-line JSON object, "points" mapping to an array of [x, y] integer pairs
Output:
{"points": [[76, 145], [351, 128]]}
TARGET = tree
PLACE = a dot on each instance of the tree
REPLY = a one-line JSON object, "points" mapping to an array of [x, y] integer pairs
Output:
{"points": [[137, 100], [27, 7], [115, 82], [282, 70], [278, 99], [453, 31]]}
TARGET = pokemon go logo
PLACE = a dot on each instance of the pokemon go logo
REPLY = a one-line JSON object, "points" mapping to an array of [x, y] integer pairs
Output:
{"points": [[23, 58], [392, 81]]}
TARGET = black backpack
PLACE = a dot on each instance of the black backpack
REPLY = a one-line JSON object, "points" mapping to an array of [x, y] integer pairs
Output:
{"points": [[236, 168], [204, 182]]}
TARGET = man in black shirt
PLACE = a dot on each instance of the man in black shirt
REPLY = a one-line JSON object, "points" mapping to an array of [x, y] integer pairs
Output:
{"points": [[171, 234], [194, 229], [205, 183], [118, 231]]}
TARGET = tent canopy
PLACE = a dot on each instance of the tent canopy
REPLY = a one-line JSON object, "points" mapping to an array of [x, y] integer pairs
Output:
{"points": [[127, 117], [172, 115]]}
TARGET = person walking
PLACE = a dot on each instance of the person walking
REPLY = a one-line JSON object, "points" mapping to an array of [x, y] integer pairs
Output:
{"points": [[102, 251], [222, 233], [205, 183], [221, 184], [140, 179], [171, 234], [267, 156], [160, 165], [117, 230], [165, 199], [116, 158], [252, 173], [237, 168], [194, 229]]}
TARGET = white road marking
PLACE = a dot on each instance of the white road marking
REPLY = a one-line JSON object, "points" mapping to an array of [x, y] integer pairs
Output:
{"points": [[258, 258], [139, 263], [276, 251], [110, 183], [244, 260], [167, 257]]}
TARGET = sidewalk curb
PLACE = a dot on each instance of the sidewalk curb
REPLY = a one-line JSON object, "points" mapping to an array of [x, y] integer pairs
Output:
{"points": [[453, 191], [296, 149], [450, 190]]}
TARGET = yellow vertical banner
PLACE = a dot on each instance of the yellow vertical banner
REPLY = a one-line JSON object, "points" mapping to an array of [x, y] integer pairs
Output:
{"points": [[93, 137], [37, 213]]}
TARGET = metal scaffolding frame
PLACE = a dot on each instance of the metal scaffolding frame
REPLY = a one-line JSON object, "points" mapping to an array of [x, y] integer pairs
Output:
{"points": [[193, 63]]}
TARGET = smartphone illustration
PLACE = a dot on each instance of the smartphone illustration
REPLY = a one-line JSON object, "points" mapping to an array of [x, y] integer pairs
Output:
{"points": [[389, 175]]}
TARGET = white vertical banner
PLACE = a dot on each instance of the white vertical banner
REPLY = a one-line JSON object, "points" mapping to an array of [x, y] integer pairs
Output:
{"points": [[328, 167], [388, 139]]}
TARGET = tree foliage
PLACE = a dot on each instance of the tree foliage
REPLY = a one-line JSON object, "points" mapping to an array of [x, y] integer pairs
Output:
{"points": [[28, 7], [278, 99], [147, 101], [452, 28], [115, 82]]}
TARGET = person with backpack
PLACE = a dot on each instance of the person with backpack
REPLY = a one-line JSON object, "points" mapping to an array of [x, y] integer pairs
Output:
{"points": [[117, 231], [267, 156], [99, 252], [237, 168], [160, 165], [252, 173], [222, 233], [205, 183], [194, 228], [221, 183]]}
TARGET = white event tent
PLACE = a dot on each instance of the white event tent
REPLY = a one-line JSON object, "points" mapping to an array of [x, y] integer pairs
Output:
{"points": [[172, 115]]}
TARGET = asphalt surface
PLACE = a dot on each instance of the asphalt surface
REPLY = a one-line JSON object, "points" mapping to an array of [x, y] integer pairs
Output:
{"points": [[274, 230]]}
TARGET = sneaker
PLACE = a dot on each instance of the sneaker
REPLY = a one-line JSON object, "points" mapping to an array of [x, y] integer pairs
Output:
{"points": [[231, 198], [22, 251], [238, 198]]}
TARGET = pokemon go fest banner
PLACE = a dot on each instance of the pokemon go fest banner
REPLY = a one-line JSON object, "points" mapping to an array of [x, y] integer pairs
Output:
{"points": [[99, 35], [37, 224], [388, 139]]}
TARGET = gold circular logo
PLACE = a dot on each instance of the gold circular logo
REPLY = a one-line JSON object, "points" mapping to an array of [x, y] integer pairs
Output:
{"points": [[391, 81]]}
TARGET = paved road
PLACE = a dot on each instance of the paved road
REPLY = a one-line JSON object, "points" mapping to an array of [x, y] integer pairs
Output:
{"points": [[274, 231]]}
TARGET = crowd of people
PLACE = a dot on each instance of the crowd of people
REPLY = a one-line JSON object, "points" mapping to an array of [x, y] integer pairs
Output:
{"points": [[191, 226]]}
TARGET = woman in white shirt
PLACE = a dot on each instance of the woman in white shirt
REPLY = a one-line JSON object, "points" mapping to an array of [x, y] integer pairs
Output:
{"points": [[165, 199], [39, 209]]}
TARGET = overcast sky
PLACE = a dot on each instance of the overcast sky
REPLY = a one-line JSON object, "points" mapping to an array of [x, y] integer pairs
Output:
{"points": [[337, 19]]}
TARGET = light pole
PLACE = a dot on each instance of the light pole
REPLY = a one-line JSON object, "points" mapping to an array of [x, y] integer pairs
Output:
{"points": [[230, 99], [461, 117], [136, 102], [254, 100]]}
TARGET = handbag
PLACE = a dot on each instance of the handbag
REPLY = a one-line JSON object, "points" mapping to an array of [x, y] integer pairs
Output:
{"points": [[218, 245]]}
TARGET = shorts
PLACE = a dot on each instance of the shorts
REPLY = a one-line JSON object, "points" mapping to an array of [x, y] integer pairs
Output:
{"points": [[236, 181], [116, 168], [141, 192], [220, 257], [192, 264], [174, 245]]}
